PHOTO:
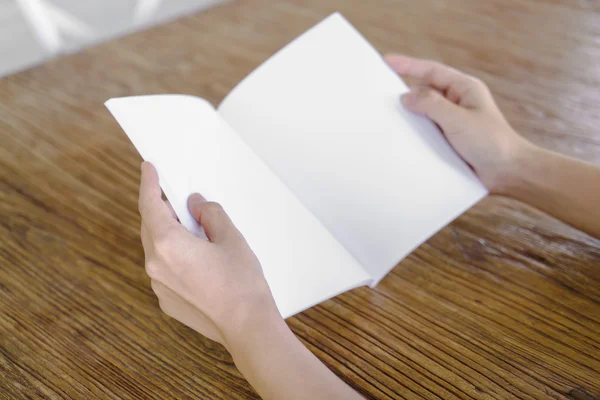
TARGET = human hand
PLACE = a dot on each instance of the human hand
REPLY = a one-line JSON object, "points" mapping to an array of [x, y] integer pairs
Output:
{"points": [[467, 114], [214, 286]]}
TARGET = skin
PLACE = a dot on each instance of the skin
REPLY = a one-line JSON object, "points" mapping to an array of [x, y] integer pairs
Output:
{"points": [[217, 286], [506, 163]]}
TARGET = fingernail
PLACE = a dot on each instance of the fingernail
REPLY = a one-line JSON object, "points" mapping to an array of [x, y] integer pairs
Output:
{"points": [[196, 199], [408, 99]]}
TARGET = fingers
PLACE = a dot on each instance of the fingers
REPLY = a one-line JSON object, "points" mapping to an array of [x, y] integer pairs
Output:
{"points": [[155, 213], [438, 76], [213, 219], [433, 104]]}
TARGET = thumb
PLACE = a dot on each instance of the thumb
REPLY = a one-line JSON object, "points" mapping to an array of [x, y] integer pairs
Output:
{"points": [[212, 217], [434, 105]]}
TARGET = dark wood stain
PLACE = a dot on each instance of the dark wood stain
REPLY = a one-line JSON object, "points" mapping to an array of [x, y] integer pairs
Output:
{"points": [[503, 303]]}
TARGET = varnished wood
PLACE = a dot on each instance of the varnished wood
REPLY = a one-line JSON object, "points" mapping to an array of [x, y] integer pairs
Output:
{"points": [[503, 303]]}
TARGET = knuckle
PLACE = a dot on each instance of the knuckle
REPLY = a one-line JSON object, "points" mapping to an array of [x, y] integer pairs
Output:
{"points": [[153, 270], [429, 76], [433, 66], [430, 96], [158, 288], [477, 83], [164, 307], [163, 303], [473, 88], [141, 207], [155, 286]]}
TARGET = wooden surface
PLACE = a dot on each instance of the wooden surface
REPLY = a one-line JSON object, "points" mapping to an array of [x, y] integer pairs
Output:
{"points": [[503, 303]]}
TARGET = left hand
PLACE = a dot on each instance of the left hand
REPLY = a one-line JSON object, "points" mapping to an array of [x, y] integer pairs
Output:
{"points": [[214, 286]]}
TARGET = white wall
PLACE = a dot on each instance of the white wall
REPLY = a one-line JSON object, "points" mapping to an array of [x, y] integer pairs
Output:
{"points": [[33, 30]]}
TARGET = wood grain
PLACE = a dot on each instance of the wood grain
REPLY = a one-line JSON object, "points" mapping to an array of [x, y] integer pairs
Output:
{"points": [[503, 303]]}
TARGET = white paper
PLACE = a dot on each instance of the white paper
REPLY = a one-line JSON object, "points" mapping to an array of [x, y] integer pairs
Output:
{"points": [[194, 150], [324, 113]]}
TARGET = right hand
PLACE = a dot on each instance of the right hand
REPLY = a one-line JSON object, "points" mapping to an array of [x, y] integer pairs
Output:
{"points": [[467, 114]]}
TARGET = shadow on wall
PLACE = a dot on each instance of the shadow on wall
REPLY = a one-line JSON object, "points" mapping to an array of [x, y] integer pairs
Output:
{"points": [[32, 31]]}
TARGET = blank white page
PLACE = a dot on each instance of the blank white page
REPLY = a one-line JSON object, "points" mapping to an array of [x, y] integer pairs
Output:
{"points": [[324, 113], [194, 150]]}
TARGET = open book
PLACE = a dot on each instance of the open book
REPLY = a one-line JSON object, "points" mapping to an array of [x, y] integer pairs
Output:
{"points": [[330, 180]]}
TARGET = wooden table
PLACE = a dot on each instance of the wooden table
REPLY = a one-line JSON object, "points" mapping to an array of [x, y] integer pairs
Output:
{"points": [[505, 302]]}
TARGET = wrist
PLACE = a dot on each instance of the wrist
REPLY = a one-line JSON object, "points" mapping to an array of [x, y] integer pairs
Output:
{"points": [[251, 323], [519, 162]]}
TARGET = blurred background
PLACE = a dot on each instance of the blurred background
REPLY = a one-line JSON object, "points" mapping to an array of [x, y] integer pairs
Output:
{"points": [[31, 31]]}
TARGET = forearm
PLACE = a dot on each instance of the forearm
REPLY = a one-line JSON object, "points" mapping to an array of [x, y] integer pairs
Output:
{"points": [[565, 188], [279, 366]]}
